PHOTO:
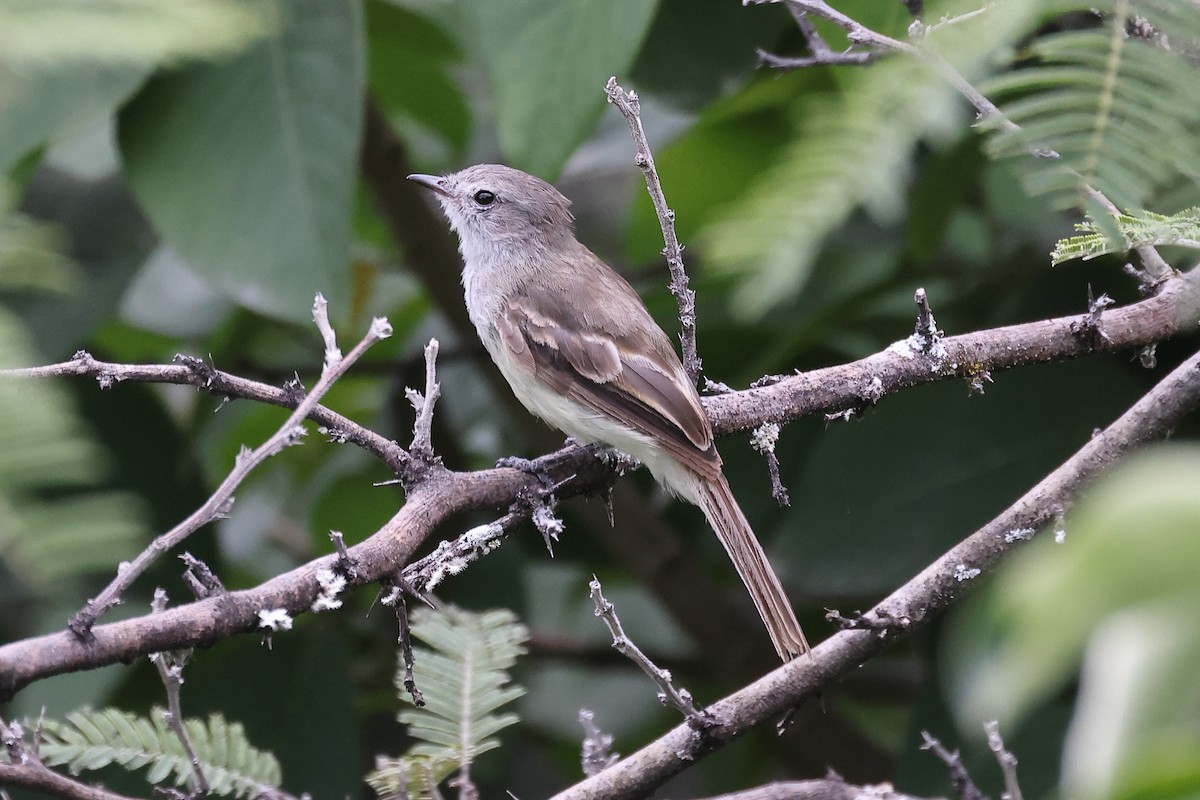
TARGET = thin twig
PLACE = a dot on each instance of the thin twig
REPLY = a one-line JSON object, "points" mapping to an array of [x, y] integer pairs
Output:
{"points": [[763, 440], [629, 106], [320, 313], [170, 666], [404, 639], [699, 719], [1006, 760], [966, 788], [219, 502], [191, 371], [423, 403]]}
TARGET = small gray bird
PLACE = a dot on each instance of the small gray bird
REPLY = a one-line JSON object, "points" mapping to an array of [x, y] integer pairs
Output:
{"points": [[580, 350]]}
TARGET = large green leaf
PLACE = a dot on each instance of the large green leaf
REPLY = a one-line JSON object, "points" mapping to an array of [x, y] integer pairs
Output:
{"points": [[1117, 597], [408, 57], [247, 167], [40, 32], [36, 103], [548, 61]]}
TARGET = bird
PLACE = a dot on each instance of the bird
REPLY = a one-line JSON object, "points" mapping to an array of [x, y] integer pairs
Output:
{"points": [[581, 351]]}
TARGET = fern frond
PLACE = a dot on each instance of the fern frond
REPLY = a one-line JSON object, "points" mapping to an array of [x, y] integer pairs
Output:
{"points": [[464, 679], [89, 740], [1120, 108], [1132, 230], [853, 149], [43, 445]]}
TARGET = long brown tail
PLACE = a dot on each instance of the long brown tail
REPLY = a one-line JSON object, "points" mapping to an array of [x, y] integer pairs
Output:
{"points": [[726, 518]]}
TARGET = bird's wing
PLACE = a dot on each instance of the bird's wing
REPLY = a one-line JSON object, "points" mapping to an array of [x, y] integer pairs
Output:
{"points": [[627, 379]]}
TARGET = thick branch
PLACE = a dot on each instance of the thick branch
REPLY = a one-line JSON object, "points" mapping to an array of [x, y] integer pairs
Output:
{"points": [[939, 585], [1175, 309], [826, 789]]}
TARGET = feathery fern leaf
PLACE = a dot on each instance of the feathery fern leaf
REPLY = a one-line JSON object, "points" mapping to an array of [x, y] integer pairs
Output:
{"points": [[89, 740], [853, 148], [43, 447], [1119, 103], [464, 681], [1133, 230]]}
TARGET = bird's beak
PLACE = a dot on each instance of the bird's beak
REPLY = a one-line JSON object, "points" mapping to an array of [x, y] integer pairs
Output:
{"points": [[430, 182]]}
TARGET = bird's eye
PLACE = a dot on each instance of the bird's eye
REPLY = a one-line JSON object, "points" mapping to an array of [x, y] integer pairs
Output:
{"points": [[485, 198]]}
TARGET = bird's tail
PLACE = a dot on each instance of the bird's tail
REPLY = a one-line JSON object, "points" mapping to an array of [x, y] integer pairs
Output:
{"points": [[726, 518]]}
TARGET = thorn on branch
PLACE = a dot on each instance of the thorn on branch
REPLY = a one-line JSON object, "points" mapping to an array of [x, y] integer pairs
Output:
{"points": [[926, 331], [881, 621], [1090, 329], [200, 578], [345, 562], [204, 372]]}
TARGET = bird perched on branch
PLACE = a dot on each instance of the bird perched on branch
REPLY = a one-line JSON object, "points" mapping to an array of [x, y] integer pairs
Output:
{"points": [[580, 350]]}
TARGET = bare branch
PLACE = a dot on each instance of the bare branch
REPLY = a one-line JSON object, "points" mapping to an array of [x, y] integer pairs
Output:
{"points": [[1006, 760], [627, 103], [699, 719], [966, 788], [934, 589], [423, 403], [190, 371], [1174, 309], [219, 502], [170, 666], [832, 788]]}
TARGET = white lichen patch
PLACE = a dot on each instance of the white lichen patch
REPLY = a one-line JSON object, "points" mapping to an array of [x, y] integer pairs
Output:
{"points": [[964, 573]]}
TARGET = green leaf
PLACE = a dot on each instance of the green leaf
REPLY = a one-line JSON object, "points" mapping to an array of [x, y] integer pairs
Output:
{"points": [[247, 167], [127, 31], [94, 739], [61, 97], [1119, 109], [54, 524], [408, 63], [464, 680], [548, 61], [1131, 552], [1132, 230]]}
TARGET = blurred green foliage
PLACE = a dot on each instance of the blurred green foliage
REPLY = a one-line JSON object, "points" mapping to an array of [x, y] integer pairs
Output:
{"points": [[183, 178]]}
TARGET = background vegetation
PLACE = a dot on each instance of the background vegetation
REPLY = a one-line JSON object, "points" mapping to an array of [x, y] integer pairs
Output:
{"points": [[183, 177]]}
